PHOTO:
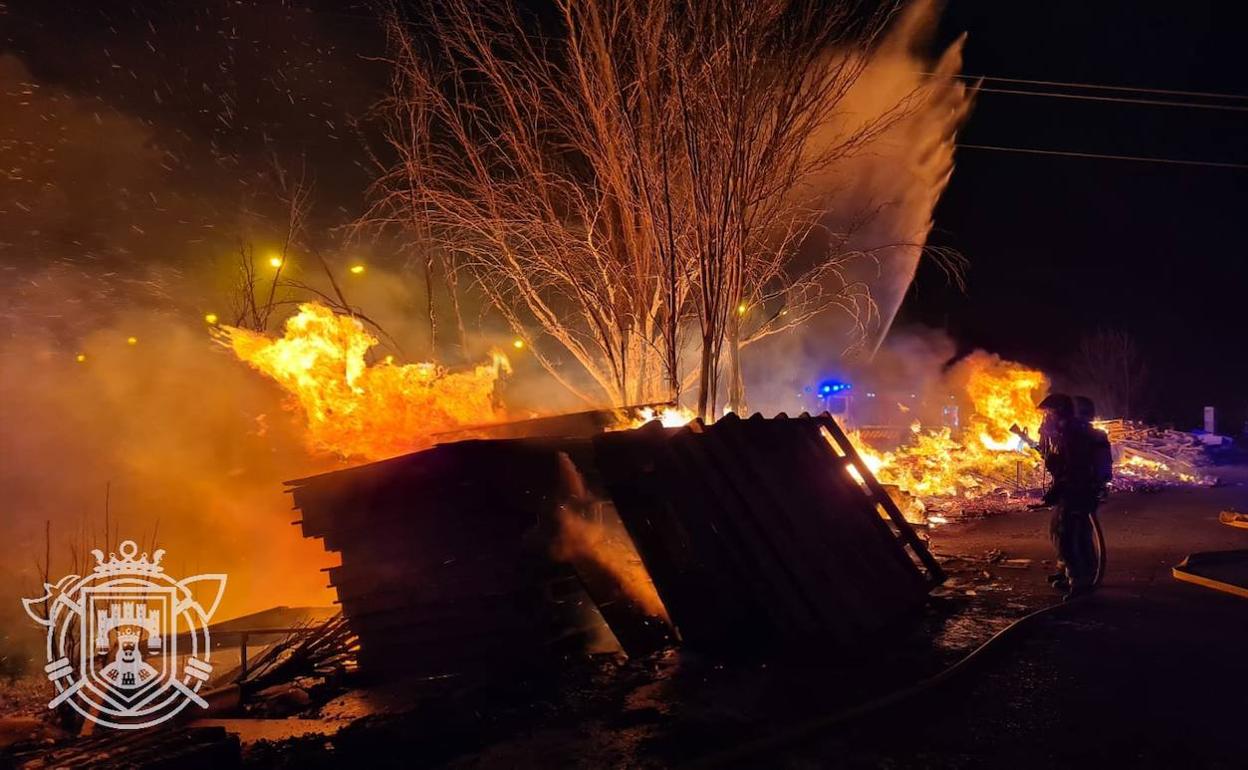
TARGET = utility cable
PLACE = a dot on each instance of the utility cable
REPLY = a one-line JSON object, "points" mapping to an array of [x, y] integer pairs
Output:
{"points": [[1100, 87], [1105, 156], [1115, 99]]}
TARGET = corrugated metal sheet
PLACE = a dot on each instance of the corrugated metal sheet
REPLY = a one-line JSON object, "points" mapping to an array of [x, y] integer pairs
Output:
{"points": [[757, 535]]}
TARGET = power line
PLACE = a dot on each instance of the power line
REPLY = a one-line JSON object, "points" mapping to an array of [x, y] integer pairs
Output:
{"points": [[1102, 156], [1099, 87], [1118, 99]]}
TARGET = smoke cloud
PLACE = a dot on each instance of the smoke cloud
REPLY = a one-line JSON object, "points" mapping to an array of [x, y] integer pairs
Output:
{"points": [[128, 178], [111, 254], [880, 202]]}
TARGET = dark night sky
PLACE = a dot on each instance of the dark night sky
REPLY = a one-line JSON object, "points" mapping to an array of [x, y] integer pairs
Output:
{"points": [[1059, 246], [1056, 246]]}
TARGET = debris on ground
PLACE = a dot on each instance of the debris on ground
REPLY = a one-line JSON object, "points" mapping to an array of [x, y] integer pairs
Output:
{"points": [[1234, 519], [1147, 458], [303, 660], [166, 746]]}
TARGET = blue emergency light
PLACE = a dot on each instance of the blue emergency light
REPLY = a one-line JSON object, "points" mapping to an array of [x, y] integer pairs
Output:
{"points": [[833, 387]]}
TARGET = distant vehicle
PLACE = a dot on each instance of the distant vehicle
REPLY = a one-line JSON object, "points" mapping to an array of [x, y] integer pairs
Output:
{"points": [[835, 399], [884, 413]]}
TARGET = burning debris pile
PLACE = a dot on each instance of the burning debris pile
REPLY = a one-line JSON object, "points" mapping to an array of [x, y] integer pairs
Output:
{"points": [[983, 466], [357, 409], [982, 461], [1146, 457]]}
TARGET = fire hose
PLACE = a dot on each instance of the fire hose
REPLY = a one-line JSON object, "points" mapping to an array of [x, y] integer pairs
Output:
{"points": [[743, 753], [1098, 543], [1099, 539]]}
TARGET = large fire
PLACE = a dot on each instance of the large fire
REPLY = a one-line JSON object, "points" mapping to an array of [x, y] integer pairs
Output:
{"points": [[356, 409], [995, 394], [943, 468]]}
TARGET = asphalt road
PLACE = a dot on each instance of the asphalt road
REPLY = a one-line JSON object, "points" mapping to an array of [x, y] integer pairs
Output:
{"points": [[1147, 672]]}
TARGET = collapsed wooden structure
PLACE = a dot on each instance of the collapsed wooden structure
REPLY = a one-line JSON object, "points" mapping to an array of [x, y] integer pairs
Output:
{"points": [[756, 534]]}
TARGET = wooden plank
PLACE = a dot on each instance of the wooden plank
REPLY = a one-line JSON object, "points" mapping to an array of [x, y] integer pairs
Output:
{"points": [[856, 507], [935, 575]]}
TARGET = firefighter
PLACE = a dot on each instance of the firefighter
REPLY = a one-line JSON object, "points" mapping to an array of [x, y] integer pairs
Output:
{"points": [[1071, 450], [1102, 454]]}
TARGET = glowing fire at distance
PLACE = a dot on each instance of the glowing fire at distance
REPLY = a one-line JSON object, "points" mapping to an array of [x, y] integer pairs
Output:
{"points": [[935, 463], [354, 409]]}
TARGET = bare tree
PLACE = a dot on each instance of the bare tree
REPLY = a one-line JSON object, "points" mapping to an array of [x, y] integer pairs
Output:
{"points": [[253, 298], [1111, 367], [257, 294], [642, 173]]}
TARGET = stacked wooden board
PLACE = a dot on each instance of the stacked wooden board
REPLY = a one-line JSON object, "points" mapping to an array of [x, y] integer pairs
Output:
{"points": [[445, 558]]}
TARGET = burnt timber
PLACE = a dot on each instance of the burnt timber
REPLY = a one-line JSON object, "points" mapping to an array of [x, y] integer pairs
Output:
{"points": [[755, 534]]}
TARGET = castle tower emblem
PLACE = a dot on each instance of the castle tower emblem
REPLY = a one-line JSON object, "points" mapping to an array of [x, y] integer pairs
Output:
{"points": [[128, 645]]}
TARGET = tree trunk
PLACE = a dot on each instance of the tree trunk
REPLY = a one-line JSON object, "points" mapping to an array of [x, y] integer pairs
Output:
{"points": [[432, 313], [704, 378], [736, 384]]}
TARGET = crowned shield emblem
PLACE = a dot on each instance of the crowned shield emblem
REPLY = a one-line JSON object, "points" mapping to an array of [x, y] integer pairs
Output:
{"points": [[128, 646]]}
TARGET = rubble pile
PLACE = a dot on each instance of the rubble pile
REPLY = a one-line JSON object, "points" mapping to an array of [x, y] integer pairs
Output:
{"points": [[1149, 458]]}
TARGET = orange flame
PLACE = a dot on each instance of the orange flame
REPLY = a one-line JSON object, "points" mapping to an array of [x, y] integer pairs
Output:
{"points": [[353, 409], [1002, 393], [936, 463], [668, 417]]}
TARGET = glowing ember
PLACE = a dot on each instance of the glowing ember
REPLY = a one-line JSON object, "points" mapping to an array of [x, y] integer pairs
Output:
{"points": [[668, 417], [353, 409]]}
